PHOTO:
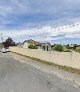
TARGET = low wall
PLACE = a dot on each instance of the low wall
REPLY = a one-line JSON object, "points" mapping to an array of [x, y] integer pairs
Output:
{"points": [[70, 59]]}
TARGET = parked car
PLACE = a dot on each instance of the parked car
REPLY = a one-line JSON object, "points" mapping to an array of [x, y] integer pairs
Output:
{"points": [[4, 50]]}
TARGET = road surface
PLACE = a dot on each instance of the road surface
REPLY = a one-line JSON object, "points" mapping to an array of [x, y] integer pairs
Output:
{"points": [[19, 77]]}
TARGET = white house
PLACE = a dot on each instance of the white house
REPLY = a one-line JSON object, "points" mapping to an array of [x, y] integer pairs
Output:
{"points": [[25, 44]]}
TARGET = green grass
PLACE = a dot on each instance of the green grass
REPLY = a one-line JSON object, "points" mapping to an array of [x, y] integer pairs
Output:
{"points": [[65, 68], [77, 50], [67, 50]]}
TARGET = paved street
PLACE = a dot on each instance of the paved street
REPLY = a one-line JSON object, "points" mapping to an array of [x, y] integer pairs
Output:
{"points": [[18, 77]]}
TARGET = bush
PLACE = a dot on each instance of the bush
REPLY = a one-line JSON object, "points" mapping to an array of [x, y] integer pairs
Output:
{"points": [[58, 47], [32, 47]]}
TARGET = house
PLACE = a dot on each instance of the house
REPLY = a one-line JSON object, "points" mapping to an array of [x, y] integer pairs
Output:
{"points": [[73, 46], [78, 47], [25, 44], [39, 45], [46, 46]]}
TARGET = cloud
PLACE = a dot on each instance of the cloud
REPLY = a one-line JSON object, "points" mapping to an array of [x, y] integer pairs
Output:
{"points": [[40, 19], [33, 12], [45, 33]]}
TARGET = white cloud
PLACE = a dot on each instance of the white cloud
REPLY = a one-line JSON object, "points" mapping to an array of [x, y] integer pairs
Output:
{"points": [[53, 9], [45, 33]]}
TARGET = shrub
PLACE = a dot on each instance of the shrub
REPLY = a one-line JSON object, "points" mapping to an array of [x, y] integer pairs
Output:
{"points": [[32, 47], [58, 47]]}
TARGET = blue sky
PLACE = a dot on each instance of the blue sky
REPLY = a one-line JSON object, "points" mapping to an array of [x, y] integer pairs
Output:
{"points": [[56, 21]]}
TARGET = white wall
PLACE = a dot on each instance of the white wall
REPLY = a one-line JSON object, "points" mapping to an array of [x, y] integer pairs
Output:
{"points": [[70, 59]]}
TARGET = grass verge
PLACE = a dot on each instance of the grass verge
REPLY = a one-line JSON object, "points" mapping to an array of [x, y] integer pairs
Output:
{"points": [[68, 69], [77, 50]]}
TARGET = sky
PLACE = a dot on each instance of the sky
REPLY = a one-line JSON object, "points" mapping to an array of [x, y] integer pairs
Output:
{"points": [[54, 21]]}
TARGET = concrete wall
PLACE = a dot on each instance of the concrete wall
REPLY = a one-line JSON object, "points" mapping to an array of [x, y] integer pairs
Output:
{"points": [[70, 59]]}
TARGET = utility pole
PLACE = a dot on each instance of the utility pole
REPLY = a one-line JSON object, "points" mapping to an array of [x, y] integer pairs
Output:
{"points": [[1, 37]]}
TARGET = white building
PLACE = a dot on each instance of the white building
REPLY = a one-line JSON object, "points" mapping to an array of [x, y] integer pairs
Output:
{"points": [[25, 44]]}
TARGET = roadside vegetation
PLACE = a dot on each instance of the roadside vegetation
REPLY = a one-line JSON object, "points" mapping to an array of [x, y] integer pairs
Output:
{"points": [[61, 48], [32, 47], [77, 50], [67, 50], [1, 46], [58, 47]]}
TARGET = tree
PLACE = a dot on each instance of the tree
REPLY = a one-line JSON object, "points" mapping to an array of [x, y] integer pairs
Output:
{"points": [[58, 47], [67, 46], [9, 42], [32, 47]]}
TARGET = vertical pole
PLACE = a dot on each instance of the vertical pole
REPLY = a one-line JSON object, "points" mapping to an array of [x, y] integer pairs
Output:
{"points": [[1, 37]]}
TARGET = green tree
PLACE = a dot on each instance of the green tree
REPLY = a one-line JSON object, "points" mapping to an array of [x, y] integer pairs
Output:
{"points": [[32, 47], [58, 47], [67, 46], [8, 42]]}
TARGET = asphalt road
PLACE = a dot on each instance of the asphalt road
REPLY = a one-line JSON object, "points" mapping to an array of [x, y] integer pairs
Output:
{"points": [[18, 77]]}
